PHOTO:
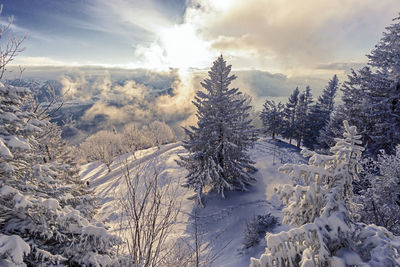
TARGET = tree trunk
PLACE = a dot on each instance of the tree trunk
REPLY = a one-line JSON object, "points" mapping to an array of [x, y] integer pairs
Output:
{"points": [[199, 196]]}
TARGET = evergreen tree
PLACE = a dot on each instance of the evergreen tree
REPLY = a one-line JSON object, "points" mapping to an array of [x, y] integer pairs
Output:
{"points": [[302, 113], [218, 145], [290, 115], [332, 129], [326, 232], [371, 96], [320, 114], [45, 207], [272, 118]]}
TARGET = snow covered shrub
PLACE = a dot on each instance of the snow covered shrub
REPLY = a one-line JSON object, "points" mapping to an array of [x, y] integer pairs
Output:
{"points": [[380, 200], [46, 211], [103, 146], [218, 145], [134, 138], [326, 233], [256, 229], [161, 133]]}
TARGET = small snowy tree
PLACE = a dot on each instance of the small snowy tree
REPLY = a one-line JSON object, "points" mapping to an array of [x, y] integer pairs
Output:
{"points": [[218, 145], [131, 138], [103, 146], [272, 117], [326, 233], [161, 133]]}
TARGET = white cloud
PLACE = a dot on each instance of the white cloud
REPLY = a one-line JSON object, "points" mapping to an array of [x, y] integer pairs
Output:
{"points": [[277, 35]]}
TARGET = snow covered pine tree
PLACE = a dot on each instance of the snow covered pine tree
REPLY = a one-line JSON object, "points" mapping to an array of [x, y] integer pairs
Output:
{"points": [[326, 234], [320, 115], [272, 117], [290, 115], [218, 146], [45, 208], [302, 116]]}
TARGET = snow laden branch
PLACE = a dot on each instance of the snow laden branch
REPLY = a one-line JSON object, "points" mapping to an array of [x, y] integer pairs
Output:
{"points": [[326, 232]]}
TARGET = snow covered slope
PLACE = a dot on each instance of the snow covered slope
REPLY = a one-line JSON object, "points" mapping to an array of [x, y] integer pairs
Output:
{"points": [[222, 221]]}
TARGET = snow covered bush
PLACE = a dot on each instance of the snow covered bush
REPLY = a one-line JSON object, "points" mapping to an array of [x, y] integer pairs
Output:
{"points": [[103, 146], [327, 233], [380, 200], [218, 145], [256, 229], [161, 133], [135, 138], [46, 211]]}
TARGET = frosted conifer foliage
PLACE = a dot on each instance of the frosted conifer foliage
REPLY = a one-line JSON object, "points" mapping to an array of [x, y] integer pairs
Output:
{"points": [[326, 233], [46, 211], [218, 145], [380, 200]]}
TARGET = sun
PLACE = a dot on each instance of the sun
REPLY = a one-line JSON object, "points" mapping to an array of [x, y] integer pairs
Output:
{"points": [[183, 48]]}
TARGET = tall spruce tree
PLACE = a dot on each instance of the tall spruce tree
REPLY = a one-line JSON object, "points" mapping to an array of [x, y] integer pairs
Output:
{"points": [[272, 117], [320, 114], [218, 145], [302, 112], [290, 115]]}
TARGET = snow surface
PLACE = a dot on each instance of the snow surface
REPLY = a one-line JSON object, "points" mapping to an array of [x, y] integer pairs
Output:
{"points": [[222, 221], [18, 143], [12, 249], [8, 116], [4, 151]]}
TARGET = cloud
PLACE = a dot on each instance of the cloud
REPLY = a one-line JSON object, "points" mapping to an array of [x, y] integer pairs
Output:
{"points": [[261, 85], [299, 33], [276, 35], [102, 98]]}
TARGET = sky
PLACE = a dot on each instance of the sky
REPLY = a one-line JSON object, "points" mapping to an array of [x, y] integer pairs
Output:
{"points": [[123, 61], [293, 37]]}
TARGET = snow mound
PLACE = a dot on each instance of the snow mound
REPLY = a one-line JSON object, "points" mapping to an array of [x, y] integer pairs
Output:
{"points": [[18, 143], [13, 249], [4, 151]]}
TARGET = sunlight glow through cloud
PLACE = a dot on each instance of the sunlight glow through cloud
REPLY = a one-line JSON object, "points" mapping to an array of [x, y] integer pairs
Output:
{"points": [[179, 47]]}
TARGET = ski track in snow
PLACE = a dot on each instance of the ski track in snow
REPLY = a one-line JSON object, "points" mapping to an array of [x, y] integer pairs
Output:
{"points": [[222, 221]]}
